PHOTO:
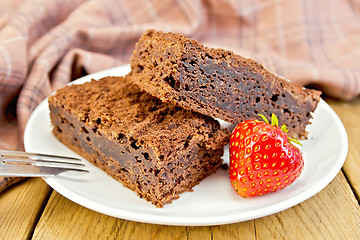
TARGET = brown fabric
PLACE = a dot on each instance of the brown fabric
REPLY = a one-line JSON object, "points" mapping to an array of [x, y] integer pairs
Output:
{"points": [[44, 44]]}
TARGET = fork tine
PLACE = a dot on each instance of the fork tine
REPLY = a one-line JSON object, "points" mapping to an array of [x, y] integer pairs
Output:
{"points": [[23, 157], [6, 153], [15, 163], [39, 161], [34, 171]]}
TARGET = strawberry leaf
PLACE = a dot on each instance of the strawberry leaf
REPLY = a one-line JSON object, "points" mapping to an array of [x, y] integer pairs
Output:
{"points": [[264, 118], [284, 128], [274, 120], [295, 141]]}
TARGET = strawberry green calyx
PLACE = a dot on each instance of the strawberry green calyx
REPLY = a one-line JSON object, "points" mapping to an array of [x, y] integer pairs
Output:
{"points": [[264, 118], [275, 122], [294, 141]]}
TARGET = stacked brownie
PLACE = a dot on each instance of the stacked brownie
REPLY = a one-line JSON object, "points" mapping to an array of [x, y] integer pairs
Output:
{"points": [[154, 148], [154, 129], [217, 82]]}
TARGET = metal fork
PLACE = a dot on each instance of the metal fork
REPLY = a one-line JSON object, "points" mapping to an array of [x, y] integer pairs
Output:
{"points": [[24, 164]]}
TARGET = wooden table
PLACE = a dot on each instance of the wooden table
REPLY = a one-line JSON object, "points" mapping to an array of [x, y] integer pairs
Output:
{"points": [[32, 210]]}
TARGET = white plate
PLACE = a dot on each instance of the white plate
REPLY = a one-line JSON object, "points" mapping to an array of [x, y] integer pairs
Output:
{"points": [[213, 201]]}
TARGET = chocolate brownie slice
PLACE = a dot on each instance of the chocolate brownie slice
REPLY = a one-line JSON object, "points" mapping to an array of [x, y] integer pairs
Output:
{"points": [[154, 148], [217, 82]]}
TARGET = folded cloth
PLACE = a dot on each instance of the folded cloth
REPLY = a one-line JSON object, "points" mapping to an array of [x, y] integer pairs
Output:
{"points": [[44, 44]]}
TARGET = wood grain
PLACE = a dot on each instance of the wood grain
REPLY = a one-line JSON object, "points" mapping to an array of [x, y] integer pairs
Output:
{"points": [[243, 230], [20, 208], [331, 214], [349, 113], [63, 219]]}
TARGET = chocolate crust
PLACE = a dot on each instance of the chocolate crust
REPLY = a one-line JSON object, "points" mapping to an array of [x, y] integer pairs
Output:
{"points": [[153, 148], [217, 82]]}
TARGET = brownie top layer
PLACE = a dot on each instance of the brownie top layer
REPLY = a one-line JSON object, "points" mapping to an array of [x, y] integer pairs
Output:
{"points": [[180, 45], [116, 108], [217, 82]]}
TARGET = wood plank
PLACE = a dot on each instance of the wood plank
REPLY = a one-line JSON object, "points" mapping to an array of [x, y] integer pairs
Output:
{"points": [[331, 214], [349, 113], [201, 232], [243, 230], [304, 220], [135, 230], [63, 219], [21, 206]]}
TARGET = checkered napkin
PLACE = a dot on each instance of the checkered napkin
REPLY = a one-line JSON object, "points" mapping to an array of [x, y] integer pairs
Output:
{"points": [[44, 44]]}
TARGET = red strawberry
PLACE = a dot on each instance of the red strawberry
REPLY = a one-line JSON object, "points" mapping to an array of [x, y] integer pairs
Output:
{"points": [[262, 158]]}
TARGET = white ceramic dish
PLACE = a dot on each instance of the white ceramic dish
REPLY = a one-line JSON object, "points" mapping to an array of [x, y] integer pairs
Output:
{"points": [[213, 201]]}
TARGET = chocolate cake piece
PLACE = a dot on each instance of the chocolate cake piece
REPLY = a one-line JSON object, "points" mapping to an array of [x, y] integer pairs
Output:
{"points": [[217, 82], [154, 148]]}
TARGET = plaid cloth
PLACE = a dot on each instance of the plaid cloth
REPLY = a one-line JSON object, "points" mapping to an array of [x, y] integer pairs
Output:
{"points": [[44, 44]]}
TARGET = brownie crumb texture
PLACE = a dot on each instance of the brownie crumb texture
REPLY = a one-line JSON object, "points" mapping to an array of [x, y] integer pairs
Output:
{"points": [[156, 149], [217, 82]]}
